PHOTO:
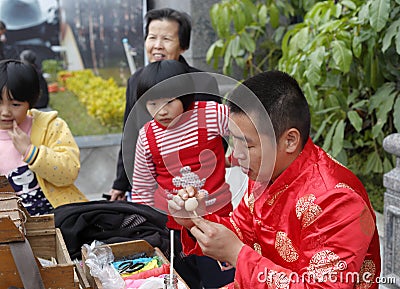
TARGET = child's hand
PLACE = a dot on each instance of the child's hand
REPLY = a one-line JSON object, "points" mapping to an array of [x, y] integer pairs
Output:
{"points": [[176, 207], [188, 203], [187, 199], [19, 138]]}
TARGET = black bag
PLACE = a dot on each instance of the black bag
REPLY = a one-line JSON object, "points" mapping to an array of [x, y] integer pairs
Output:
{"points": [[110, 222]]}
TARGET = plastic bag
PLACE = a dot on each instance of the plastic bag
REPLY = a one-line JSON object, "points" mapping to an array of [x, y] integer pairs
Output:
{"points": [[99, 261]]}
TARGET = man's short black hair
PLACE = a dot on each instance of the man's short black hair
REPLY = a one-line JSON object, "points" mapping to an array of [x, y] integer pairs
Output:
{"points": [[21, 80], [281, 97], [2, 25], [183, 19]]}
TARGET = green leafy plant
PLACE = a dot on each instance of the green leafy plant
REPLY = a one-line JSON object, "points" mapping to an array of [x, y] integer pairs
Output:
{"points": [[346, 57], [75, 114], [249, 32], [103, 99], [52, 67]]}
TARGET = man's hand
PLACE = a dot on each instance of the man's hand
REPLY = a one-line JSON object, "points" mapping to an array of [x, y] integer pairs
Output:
{"points": [[216, 241], [117, 195], [19, 138]]}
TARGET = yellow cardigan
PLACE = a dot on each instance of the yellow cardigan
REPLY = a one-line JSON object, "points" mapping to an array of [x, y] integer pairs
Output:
{"points": [[57, 163]]}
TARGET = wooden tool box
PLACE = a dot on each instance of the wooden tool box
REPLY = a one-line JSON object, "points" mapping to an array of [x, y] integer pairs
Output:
{"points": [[125, 249], [45, 240]]}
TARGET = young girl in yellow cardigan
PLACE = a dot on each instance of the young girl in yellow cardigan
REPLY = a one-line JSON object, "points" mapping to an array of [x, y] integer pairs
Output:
{"points": [[38, 153]]}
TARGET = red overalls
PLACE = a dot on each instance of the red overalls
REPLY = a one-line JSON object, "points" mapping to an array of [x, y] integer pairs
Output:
{"points": [[206, 161]]}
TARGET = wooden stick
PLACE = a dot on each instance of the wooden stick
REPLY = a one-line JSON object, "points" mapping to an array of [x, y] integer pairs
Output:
{"points": [[171, 271]]}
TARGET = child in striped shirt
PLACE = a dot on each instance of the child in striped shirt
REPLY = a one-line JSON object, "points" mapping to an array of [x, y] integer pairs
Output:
{"points": [[182, 146]]}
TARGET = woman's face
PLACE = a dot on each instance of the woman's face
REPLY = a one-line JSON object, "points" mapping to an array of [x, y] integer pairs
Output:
{"points": [[11, 110], [162, 41]]}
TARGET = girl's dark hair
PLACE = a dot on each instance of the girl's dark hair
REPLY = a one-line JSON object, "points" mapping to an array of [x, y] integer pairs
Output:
{"points": [[21, 80], [183, 19], [153, 76]]}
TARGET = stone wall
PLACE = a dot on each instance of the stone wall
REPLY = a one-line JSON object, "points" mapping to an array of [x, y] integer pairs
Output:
{"points": [[98, 163], [391, 181]]}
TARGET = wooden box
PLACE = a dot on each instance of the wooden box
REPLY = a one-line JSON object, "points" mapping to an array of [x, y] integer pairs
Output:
{"points": [[45, 240], [5, 185], [125, 249]]}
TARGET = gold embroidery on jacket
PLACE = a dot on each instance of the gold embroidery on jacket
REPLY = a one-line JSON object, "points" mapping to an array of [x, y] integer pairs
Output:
{"points": [[335, 160], [251, 201], [343, 185], [257, 248], [306, 211], [272, 200], [325, 264], [285, 247], [368, 270], [238, 232]]}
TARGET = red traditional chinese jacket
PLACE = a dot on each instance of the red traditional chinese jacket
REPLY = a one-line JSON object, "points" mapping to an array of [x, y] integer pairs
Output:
{"points": [[313, 227]]}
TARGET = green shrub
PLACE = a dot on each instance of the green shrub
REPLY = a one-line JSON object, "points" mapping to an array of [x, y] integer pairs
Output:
{"points": [[75, 114], [345, 55], [250, 32], [52, 67], [103, 99]]}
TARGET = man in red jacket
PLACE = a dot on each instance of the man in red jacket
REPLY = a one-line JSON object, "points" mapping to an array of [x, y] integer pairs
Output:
{"points": [[306, 220]]}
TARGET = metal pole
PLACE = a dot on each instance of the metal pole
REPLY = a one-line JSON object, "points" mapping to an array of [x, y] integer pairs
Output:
{"points": [[129, 55]]}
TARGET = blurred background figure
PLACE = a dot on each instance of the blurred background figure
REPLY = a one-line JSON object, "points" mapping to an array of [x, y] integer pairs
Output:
{"points": [[2, 39], [28, 56], [31, 24]]}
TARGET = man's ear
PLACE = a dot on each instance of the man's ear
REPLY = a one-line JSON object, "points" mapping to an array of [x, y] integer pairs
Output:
{"points": [[292, 140]]}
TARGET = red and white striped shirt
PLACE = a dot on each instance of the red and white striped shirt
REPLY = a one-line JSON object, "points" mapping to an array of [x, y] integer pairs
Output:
{"points": [[184, 135]]}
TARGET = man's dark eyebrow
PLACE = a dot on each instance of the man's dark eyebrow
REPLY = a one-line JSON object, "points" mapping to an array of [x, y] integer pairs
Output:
{"points": [[242, 138]]}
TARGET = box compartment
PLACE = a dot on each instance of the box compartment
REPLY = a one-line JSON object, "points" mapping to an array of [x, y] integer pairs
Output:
{"points": [[121, 250], [45, 240]]}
